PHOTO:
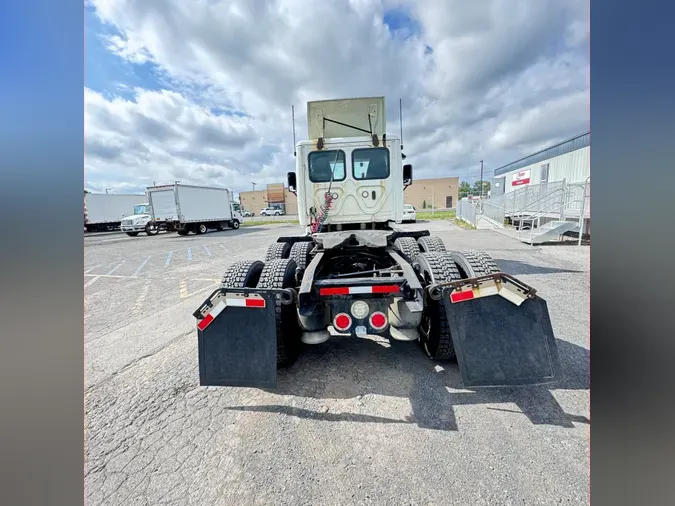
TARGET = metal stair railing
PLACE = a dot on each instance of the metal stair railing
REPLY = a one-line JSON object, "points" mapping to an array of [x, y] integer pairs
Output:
{"points": [[558, 209]]}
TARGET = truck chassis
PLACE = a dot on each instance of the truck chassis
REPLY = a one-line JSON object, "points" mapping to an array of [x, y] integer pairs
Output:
{"points": [[397, 284]]}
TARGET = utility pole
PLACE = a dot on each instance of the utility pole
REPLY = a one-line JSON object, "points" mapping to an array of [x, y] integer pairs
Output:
{"points": [[481, 179]]}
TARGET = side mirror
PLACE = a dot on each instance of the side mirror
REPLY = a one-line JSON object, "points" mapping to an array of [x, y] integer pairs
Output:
{"points": [[292, 182], [407, 175]]}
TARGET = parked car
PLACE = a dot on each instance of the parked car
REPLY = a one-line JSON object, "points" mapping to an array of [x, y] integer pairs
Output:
{"points": [[409, 213], [271, 211], [248, 214]]}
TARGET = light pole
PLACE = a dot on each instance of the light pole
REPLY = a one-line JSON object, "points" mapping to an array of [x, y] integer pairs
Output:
{"points": [[481, 179], [253, 185], [106, 190]]}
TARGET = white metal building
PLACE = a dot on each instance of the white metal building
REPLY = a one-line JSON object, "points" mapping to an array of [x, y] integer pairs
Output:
{"points": [[569, 160]]}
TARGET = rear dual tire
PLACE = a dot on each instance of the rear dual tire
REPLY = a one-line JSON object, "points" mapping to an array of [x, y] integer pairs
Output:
{"points": [[275, 274]]}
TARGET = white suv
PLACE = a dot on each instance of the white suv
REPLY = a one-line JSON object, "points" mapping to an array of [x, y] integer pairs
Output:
{"points": [[271, 211]]}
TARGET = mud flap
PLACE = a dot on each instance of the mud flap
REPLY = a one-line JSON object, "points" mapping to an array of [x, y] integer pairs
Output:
{"points": [[501, 332], [236, 331]]}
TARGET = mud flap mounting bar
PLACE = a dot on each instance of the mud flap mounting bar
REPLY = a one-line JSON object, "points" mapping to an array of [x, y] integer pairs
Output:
{"points": [[499, 283]]}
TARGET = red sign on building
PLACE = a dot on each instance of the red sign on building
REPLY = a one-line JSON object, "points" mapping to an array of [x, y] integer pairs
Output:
{"points": [[520, 178]]}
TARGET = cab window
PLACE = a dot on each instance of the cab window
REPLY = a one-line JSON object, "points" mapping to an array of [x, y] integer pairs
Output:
{"points": [[370, 163], [323, 164]]}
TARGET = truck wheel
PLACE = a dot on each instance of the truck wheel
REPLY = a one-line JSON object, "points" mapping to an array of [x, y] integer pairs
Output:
{"points": [[408, 248], [151, 229], [474, 263], [300, 253], [202, 228], [435, 267], [429, 243], [277, 250], [242, 274], [183, 231], [132, 234], [280, 273], [235, 224]]}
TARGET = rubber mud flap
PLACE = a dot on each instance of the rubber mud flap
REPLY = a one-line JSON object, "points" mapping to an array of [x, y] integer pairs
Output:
{"points": [[501, 344], [239, 347]]}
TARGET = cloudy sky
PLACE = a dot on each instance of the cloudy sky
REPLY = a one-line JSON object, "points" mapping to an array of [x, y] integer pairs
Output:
{"points": [[201, 91]]}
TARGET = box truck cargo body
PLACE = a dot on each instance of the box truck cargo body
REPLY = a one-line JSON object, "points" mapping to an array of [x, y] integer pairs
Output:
{"points": [[158, 213], [203, 208], [104, 212]]}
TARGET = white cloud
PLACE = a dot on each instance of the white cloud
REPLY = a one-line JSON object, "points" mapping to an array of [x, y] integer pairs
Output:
{"points": [[503, 75]]}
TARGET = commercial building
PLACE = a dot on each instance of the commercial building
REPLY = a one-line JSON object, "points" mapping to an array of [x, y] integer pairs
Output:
{"points": [[440, 193], [569, 160]]}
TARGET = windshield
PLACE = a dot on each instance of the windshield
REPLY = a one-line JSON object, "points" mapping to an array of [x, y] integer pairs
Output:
{"points": [[408, 207], [370, 163], [142, 209], [322, 163]]}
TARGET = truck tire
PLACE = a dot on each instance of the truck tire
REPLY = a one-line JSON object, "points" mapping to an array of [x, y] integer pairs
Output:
{"points": [[132, 234], [151, 229], [242, 274], [183, 231], [277, 250], [434, 331], [300, 254], [474, 263], [429, 243], [408, 247], [202, 228], [235, 224], [280, 273]]}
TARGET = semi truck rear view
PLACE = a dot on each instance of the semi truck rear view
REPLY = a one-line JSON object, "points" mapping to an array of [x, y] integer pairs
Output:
{"points": [[354, 273]]}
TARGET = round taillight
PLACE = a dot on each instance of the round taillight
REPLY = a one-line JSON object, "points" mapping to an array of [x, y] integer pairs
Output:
{"points": [[342, 321], [378, 320]]}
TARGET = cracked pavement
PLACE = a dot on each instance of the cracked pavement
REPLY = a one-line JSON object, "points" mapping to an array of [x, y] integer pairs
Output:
{"points": [[351, 422]]}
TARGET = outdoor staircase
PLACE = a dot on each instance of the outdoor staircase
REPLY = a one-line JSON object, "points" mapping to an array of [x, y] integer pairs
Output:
{"points": [[551, 231]]}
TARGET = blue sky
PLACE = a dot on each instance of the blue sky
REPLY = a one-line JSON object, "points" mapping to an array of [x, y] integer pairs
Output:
{"points": [[477, 82]]}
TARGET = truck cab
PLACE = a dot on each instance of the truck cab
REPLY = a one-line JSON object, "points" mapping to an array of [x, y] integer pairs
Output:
{"points": [[350, 173], [137, 222]]}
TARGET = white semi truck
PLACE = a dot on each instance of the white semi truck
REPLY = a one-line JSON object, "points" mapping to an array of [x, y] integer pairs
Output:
{"points": [[158, 213], [203, 208], [105, 212], [355, 273]]}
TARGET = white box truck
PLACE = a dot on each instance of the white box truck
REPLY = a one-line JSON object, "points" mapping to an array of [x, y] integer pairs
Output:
{"points": [[203, 208], [105, 212], [158, 213]]}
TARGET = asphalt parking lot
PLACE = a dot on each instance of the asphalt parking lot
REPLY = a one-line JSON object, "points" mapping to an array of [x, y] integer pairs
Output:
{"points": [[352, 421]]}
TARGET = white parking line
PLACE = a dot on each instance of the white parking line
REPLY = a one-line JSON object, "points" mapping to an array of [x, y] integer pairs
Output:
{"points": [[116, 267], [137, 272], [206, 249], [168, 259], [189, 253], [92, 281]]}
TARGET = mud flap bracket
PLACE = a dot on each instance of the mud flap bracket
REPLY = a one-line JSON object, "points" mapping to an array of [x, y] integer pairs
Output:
{"points": [[501, 331], [237, 337]]}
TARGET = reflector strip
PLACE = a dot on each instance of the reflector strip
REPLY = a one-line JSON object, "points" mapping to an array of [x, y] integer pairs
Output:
{"points": [[211, 316], [232, 302], [461, 296], [354, 290]]}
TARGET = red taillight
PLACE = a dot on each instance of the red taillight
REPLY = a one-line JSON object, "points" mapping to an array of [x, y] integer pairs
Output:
{"points": [[342, 321], [378, 320]]}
